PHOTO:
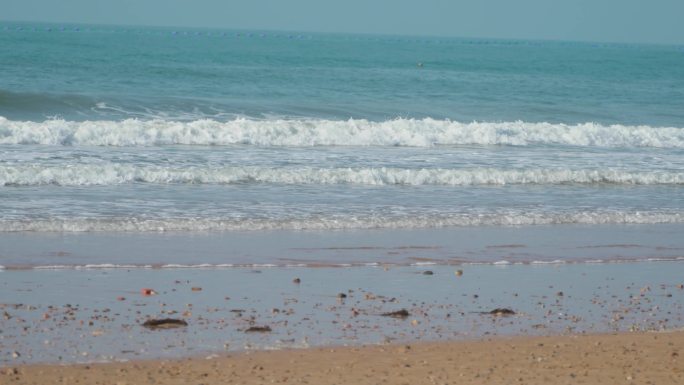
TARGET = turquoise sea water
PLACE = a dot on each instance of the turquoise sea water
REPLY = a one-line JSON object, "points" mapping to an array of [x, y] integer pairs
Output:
{"points": [[113, 73], [132, 129]]}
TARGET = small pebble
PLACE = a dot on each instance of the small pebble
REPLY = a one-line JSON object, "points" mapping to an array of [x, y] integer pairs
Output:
{"points": [[147, 291]]}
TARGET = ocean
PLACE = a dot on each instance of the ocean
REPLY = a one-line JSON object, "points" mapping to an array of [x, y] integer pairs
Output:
{"points": [[152, 135]]}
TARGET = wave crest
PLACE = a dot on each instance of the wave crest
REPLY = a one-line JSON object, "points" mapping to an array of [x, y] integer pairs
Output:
{"points": [[114, 174], [319, 132]]}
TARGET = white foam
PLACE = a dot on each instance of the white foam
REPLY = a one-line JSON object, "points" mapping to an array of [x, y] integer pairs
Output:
{"points": [[114, 174], [423, 263], [554, 262], [318, 132], [508, 218], [500, 263], [196, 266], [98, 266]]}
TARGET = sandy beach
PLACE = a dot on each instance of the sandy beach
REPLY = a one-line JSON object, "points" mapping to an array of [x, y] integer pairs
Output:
{"points": [[625, 358]]}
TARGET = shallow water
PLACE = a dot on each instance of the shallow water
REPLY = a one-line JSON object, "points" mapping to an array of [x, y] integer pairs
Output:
{"points": [[557, 244]]}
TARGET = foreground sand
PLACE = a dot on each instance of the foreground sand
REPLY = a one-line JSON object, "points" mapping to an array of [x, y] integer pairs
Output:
{"points": [[626, 358]]}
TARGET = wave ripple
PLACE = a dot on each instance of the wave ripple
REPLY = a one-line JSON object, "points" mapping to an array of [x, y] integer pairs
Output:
{"points": [[504, 218]]}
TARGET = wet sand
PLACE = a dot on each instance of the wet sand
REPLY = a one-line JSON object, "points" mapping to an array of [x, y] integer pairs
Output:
{"points": [[98, 315], [625, 358]]}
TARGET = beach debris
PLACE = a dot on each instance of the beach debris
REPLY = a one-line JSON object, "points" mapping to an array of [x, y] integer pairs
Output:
{"points": [[196, 288], [164, 323], [341, 295], [15, 354], [428, 272], [120, 298], [297, 281], [458, 273], [680, 286], [11, 371], [559, 294], [147, 291], [402, 314], [501, 312], [415, 322], [258, 329]]}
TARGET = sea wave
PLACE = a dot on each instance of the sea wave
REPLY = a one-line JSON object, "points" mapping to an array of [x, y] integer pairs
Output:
{"points": [[318, 264], [115, 174], [319, 132], [508, 218]]}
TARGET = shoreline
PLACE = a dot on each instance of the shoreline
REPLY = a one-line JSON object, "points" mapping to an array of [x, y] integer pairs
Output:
{"points": [[418, 263], [644, 357], [286, 248]]}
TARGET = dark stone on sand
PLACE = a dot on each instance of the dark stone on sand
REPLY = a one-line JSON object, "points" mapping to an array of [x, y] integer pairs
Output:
{"points": [[560, 294], [165, 323], [341, 295], [428, 272], [501, 311], [297, 280], [403, 313], [258, 329]]}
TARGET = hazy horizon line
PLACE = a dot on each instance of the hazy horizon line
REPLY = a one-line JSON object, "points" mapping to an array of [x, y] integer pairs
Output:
{"points": [[384, 34]]}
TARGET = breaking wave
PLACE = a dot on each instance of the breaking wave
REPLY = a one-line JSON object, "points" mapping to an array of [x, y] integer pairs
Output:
{"points": [[114, 174], [319, 132], [508, 218]]}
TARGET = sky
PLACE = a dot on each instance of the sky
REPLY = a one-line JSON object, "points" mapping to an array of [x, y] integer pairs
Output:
{"points": [[635, 21]]}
